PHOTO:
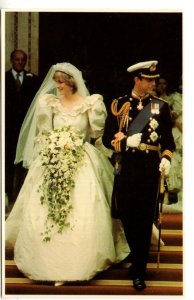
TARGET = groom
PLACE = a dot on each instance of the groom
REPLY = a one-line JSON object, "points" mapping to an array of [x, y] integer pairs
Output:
{"points": [[139, 130]]}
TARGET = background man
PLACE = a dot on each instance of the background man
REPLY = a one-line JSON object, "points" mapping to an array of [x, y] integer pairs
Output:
{"points": [[20, 88]]}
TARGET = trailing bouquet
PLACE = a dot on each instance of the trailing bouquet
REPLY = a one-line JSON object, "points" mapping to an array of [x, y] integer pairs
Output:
{"points": [[61, 157]]}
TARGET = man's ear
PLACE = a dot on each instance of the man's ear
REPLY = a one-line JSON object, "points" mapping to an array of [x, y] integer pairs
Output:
{"points": [[136, 79]]}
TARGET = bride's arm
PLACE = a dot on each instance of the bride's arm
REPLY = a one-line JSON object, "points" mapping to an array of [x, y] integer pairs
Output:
{"points": [[44, 120], [97, 116]]}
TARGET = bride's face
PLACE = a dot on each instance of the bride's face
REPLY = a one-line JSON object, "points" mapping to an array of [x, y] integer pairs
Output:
{"points": [[61, 84]]}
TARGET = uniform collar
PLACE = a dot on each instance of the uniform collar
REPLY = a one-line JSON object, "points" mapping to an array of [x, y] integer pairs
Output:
{"points": [[135, 95]]}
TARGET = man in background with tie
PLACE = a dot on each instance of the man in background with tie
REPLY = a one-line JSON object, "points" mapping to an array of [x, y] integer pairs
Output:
{"points": [[20, 88]]}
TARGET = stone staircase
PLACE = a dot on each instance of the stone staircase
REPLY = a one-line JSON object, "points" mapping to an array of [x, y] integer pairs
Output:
{"points": [[165, 280]]}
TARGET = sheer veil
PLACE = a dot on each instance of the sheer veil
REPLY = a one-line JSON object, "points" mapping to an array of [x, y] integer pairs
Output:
{"points": [[28, 132]]}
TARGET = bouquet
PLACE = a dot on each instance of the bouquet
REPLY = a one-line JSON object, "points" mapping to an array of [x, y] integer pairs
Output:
{"points": [[61, 157]]}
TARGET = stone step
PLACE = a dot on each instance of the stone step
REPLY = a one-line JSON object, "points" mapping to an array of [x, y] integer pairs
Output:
{"points": [[172, 237], [164, 272], [24, 286], [172, 221]]}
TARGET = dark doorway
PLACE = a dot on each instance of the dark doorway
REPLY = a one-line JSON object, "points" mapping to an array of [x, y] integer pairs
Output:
{"points": [[104, 44]]}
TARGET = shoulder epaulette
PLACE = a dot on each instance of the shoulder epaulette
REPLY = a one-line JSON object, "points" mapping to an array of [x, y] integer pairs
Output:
{"points": [[119, 99], [161, 99], [123, 97]]}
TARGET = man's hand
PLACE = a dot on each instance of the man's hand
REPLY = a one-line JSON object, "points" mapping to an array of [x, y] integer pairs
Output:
{"points": [[119, 136]]}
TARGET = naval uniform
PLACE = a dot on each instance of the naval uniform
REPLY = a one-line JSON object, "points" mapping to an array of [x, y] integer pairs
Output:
{"points": [[136, 184]]}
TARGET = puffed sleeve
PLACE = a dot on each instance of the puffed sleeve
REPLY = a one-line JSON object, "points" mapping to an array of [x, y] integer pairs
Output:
{"points": [[45, 112], [97, 115], [44, 119]]}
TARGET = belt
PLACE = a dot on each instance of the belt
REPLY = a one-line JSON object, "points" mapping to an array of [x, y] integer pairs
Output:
{"points": [[144, 147]]}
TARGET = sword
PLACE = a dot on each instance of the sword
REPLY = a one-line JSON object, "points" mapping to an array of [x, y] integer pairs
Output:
{"points": [[161, 200]]}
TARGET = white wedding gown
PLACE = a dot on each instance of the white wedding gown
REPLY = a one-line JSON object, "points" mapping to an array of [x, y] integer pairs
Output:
{"points": [[94, 241]]}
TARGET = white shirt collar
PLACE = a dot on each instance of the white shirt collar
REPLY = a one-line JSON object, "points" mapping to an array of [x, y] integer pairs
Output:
{"points": [[15, 73]]}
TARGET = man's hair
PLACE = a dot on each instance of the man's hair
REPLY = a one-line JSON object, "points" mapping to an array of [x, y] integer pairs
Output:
{"points": [[17, 50]]}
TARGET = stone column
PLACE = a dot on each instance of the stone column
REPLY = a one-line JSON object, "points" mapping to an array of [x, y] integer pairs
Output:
{"points": [[22, 32]]}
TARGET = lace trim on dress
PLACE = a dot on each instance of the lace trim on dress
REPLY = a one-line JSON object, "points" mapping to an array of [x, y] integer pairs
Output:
{"points": [[50, 100]]}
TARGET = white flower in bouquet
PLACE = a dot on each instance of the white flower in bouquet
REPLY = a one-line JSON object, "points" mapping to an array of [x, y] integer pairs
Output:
{"points": [[61, 157]]}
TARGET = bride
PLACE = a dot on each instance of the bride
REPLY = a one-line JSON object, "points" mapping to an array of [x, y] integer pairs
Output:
{"points": [[60, 226]]}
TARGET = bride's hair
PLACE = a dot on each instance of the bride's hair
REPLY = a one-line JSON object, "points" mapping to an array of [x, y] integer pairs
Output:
{"points": [[69, 80]]}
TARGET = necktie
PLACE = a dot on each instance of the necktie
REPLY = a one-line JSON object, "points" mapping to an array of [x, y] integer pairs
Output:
{"points": [[18, 82]]}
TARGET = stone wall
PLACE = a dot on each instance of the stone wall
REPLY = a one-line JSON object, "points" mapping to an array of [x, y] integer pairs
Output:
{"points": [[21, 31]]}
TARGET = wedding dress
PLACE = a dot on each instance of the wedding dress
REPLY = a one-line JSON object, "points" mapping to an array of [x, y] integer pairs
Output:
{"points": [[93, 241]]}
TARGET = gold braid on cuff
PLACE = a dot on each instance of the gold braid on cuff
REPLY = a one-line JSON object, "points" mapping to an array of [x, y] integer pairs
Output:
{"points": [[167, 153]]}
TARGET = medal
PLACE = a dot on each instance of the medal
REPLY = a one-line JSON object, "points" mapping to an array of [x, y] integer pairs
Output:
{"points": [[155, 108], [140, 98], [140, 106]]}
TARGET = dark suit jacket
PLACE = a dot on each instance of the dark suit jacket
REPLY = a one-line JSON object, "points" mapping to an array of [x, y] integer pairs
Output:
{"points": [[16, 106]]}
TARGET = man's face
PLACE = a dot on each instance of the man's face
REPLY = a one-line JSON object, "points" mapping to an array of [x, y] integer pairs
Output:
{"points": [[161, 85], [18, 61], [145, 85]]}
